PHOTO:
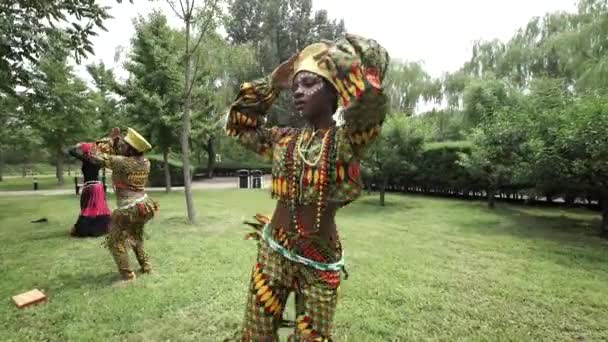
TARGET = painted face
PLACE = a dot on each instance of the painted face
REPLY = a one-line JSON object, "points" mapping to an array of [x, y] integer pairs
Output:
{"points": [[122, 147], [310, 94]]}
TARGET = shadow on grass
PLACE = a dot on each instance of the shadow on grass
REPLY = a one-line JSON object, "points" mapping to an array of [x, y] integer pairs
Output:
{"points": [[529, 224], [49, 235], [71, 281], [371, 205]]}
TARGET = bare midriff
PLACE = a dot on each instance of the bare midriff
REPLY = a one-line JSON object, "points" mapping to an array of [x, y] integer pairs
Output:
{"points": [[307, 214]]}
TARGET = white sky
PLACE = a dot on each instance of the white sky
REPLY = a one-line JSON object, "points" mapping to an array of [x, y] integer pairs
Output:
{"points": [[438, 32]]}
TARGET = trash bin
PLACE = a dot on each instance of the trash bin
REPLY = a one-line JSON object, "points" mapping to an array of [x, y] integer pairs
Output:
{"points": [[256, 179], [243, 179]]}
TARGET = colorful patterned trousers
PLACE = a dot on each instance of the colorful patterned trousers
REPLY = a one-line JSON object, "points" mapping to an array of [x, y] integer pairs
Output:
{"points": [[272, 280], [126, 232]]}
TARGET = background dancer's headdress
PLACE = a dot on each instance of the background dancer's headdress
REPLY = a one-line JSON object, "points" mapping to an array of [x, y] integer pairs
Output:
{"points": [[136, 141]]}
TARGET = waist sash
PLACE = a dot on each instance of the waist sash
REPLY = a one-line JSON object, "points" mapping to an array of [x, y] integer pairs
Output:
{"points": [[275, 246]]}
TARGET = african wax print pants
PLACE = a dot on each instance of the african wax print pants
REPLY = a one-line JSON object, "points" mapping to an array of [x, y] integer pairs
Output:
{"points": [[126, 231], [272, 279]]}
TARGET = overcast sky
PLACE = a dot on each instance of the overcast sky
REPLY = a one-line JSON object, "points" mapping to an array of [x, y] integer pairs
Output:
{"points": [[438, 32]]}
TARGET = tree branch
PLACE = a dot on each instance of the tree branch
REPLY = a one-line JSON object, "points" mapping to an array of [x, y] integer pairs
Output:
{"points": [[172, 4], [207, 24], [191, 9], [181, 4]]}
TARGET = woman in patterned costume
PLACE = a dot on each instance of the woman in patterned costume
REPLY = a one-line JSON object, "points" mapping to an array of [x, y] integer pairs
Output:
{"points": [[130, 170], [94, 218], [315, 172]]}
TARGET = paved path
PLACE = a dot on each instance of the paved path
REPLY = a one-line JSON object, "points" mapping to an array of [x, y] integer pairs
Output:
{"points": [[215, 183]]}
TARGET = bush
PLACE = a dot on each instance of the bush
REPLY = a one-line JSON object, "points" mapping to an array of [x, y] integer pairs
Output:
{"points": [[438, 172]]}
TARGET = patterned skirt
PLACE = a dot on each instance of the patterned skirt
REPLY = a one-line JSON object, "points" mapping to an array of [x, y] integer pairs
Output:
{"points": [[94, 218]]}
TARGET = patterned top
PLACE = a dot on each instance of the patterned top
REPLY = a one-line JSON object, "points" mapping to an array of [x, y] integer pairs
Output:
{"points": [[364, 108], [129, 174]]}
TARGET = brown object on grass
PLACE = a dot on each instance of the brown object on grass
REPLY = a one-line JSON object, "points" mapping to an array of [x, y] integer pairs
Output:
{"points": [[29, 298]]}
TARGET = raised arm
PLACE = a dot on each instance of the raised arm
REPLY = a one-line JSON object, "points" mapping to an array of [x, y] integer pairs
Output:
{"points": [[86, 152], [361, 94], [247, 114]]}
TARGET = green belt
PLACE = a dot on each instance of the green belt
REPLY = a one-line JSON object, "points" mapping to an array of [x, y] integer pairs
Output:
{"points": [[336, 266]]}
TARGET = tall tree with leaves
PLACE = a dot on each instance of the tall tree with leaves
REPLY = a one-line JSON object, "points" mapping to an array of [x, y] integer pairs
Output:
{"points": [[482, 99], [9, 120], [222, 67], [59, 105], [394, 152], [105, 99], [198, 22], [153, 91], [277, 29], [500, 149], [407, 84], [26, 24], [584, 143]]}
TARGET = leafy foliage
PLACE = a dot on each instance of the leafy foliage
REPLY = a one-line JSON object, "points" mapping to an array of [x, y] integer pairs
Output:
{"points": [[25, 26], [394, 152]]}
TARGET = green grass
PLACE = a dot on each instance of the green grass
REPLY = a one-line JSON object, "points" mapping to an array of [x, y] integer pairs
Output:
{"points": [[37, 168], [45, 182], [420, 269]]}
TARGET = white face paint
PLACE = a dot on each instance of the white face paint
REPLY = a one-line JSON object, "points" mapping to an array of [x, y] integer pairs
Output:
{"points": [[309, 90]]}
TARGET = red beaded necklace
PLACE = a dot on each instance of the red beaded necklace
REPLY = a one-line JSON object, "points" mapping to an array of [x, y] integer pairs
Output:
{"points": [[294, 161]]}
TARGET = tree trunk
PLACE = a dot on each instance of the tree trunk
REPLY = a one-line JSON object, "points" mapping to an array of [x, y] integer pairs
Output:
{"points": [[569, 199], [167, 168], [210, 157], [383, 190], [604, 206], [185, 134], [491, 199], [59, 168]]}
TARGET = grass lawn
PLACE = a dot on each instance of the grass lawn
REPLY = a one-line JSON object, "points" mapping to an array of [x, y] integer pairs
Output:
{"points": [[45, 182], [420, 269]]}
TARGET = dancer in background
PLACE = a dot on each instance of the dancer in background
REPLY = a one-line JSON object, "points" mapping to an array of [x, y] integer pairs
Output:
{"points": [[130, 170], [94, 218], [315, 172]]}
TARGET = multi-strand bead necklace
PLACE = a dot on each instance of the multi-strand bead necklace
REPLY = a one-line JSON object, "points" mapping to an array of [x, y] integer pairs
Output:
{"points": [[294, 158]]}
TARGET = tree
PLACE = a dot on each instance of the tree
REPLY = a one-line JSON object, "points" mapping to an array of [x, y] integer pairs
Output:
{"points": [[584, 143], [394, 152], [498, 156], [244, 24], [9, 120], [203, 19], [58, 106], [26, 24], [406, 84], [153, 91], [222, 67], [482, 99], [105, 100], [277, 29]]}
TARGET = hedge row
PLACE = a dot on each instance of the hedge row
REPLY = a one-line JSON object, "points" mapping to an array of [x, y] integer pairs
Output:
{"points": [[438, 173]]}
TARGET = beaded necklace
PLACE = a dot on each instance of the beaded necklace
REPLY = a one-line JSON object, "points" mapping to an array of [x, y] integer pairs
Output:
{"points": [[293, 162]]}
